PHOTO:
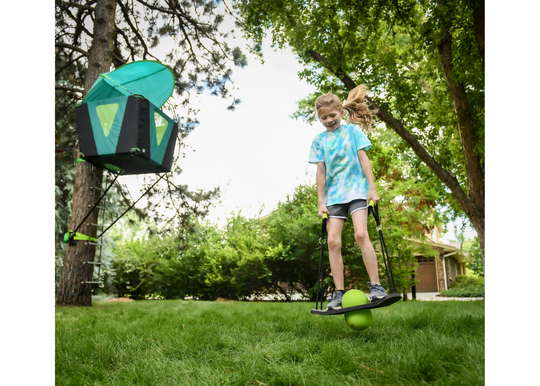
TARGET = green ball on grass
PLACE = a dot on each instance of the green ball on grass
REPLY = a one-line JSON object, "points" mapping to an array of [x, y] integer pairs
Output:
{"points": [[359, 319]]}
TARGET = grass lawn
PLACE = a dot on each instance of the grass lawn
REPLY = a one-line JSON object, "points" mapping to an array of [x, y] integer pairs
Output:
{"points": [[184, 342]]}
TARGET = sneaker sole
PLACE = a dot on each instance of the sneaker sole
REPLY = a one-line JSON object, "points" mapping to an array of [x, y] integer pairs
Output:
{"points": [[334, 308], [377, 297]]}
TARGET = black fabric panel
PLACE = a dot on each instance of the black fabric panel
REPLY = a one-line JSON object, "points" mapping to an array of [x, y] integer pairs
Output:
{"points": [[87, 143], [130, 127], [144, 127], [169, 153], [139, 164], [142, 165]]}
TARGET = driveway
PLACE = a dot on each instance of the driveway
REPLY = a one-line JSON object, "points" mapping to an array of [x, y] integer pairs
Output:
{"points": [[429, 296]]}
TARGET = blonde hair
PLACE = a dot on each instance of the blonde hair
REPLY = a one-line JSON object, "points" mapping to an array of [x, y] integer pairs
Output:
{"points": [[358, 111]]}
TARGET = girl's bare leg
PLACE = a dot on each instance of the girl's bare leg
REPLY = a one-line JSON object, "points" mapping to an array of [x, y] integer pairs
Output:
{"points": [[362, 239], [334, 227]]}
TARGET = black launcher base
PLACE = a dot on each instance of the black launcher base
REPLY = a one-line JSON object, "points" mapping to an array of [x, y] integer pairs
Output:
{"points": [[384, 302]]}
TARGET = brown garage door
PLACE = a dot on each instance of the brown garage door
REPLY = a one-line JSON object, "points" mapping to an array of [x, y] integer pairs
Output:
{"points": [[426, 276]]}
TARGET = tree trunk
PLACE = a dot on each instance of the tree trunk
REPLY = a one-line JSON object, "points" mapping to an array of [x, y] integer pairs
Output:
{"points": [[475, 173], [479, 27], [72, 290]]}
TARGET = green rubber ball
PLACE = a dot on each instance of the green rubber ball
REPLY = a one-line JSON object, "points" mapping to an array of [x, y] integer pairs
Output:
{"points": [[359, 319], [354, 297]]}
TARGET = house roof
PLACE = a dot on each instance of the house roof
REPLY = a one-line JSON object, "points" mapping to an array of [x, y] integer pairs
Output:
{"points": [[453, 249]]}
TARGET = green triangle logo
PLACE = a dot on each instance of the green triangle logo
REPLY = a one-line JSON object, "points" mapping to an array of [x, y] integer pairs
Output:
{"points": [[161, 126], [106, 114]]}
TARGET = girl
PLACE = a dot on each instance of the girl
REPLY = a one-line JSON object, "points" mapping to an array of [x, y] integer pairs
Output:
{"points": [[345, 182]]}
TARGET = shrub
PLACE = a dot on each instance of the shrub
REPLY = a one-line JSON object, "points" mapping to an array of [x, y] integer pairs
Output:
{"points": [[204, 262], [468, 280], [466, 286], [469, 291]]}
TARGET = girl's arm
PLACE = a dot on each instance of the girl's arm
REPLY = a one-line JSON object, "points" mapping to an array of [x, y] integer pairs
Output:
{"points": [[321, 184], [368, 172]]}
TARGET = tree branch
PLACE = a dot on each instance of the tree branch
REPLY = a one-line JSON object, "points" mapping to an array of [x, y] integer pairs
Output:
{"points": [[479, 27], [79, 25], [69, 46], [66, 88], [135, 31], [177, 10], [126, 40], [156, 8], [68, 63], [88, 5]]}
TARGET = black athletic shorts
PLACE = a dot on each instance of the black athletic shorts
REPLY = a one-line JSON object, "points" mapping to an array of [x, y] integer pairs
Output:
{"points": [[341, 210]]}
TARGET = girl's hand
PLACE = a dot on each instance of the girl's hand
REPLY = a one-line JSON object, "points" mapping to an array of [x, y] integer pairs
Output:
{"points": [[372, 195], [322, 209]]}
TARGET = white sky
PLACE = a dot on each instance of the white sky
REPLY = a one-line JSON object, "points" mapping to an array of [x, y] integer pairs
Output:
{"points": [[257, 154]]}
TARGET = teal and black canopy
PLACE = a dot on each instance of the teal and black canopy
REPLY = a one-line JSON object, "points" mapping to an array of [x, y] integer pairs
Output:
{"points": [[120, 123]]}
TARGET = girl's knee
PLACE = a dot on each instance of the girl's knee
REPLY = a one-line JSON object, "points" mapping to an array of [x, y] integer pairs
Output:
{"points": [[334, 242], [361, 235]]}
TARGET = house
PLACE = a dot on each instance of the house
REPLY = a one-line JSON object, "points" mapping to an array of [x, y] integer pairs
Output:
{"points": [[436, 274]]}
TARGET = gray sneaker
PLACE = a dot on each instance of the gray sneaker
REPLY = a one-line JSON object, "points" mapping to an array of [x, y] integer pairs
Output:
{"points": [[376, 292], [335, 302]]}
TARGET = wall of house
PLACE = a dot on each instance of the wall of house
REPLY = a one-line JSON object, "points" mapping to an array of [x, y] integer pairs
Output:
{"points": [[452, 270], [440, 272]]}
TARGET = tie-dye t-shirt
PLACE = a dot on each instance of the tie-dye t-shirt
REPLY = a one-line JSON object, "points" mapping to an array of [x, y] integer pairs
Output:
{"points": [[345, 179]]}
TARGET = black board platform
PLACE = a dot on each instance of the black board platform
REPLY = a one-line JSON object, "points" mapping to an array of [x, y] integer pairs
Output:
{"points": [[384, 302]]}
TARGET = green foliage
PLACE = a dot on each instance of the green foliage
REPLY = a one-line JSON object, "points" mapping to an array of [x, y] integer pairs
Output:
{"points": [[293, 232], [204, 262], [472, 246], [477, 265], [278, 254], [475, 291], [466, 286], [139, 265], [467, 280], [64, 176], [171, 342]]}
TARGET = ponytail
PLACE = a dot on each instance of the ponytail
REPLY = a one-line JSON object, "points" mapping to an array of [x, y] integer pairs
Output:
{"points": [[358, 110]]}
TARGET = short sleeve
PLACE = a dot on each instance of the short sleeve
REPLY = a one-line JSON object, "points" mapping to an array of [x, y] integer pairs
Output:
{"points": [[361, 140], [315, 152]]}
